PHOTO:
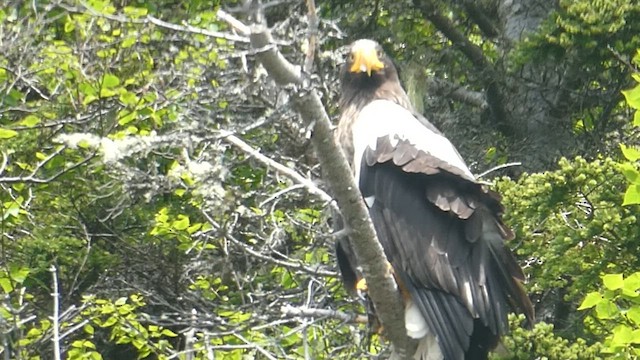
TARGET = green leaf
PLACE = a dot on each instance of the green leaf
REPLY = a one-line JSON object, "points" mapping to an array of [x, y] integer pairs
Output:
{"points": [[636, 338], [622, 335], [128, 98], [121, 301], [110, 322], [613, 281], [106, 92], [633, 97], [634, 315], [30, 121], [69, 26], [34, 332], [12, 210], [630, 172], [632, 195], [167, 332], [182, 223], [592, 299], [126, 117], [193, 228], [7, 133], [19, 274], [89, 99], [630, 153], [636, 119], [128, 42], [606, 310], [135, 11], [5, 284], [632, 282], [110, 81]]}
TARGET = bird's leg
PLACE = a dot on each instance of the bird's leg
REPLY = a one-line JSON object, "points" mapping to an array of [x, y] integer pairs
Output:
{"points": [[361, 285]]}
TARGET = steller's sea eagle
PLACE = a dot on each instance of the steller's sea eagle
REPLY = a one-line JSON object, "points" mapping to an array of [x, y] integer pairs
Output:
{"points": [[440, 228]]}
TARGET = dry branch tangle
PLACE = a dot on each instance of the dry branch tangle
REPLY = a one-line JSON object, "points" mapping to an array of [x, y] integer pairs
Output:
{"points": [[382, 288]]}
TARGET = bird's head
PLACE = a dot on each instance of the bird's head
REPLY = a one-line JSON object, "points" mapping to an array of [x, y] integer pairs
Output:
{"points": [[367, 74], [366, 56], [367, 66]]}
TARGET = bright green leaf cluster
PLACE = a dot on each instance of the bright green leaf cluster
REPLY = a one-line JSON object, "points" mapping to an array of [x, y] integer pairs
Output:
{"points": [[617, 309]]}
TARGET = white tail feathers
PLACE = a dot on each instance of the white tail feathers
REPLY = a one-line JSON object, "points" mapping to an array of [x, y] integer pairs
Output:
{"points": [[428, 349], [417, 328]]}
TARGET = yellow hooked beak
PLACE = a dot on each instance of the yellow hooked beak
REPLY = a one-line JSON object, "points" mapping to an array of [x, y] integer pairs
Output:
{"points": [[365, 59]]}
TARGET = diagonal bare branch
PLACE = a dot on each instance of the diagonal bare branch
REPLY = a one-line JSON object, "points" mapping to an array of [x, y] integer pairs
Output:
{"points": [[382, 289]]}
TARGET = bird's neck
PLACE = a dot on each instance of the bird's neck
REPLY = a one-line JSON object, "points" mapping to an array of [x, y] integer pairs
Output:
{"points": [[364, 95]]}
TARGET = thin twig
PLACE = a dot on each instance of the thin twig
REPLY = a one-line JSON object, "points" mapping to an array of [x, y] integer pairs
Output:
{"points": [[234, 23], [248, 249], [158, 22], [31, 178], [280, 193], [55, 319], [290, 173], [312, 36], [304, 311], [499, 167], [257, 347]]}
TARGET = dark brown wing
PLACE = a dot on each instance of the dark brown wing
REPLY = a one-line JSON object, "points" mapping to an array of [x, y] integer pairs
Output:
{"points": [[443, 235]]}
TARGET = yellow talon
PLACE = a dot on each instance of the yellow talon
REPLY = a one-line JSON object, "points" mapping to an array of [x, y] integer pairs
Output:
{"points": [[361, 285]]}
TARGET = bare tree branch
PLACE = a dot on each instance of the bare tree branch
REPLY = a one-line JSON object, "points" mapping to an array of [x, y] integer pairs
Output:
{"points": [[478, 16], [312, 35], [56, 314], [32, 178], [304, 311], [456, 92], [248, 249], [499, 167], [236, 25], [444, 25], [290, 173], [474, 53], [382, 288]]}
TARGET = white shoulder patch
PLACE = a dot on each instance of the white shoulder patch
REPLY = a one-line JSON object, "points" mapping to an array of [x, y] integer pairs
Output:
{"points": [[370, 200], [386, 118]]}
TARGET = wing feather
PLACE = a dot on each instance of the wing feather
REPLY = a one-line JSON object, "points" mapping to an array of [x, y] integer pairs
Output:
{"points": [[440, 229]]}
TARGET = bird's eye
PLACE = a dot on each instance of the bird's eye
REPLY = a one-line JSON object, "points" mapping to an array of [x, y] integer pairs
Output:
{"points": [[352, 57], [380, 54]]}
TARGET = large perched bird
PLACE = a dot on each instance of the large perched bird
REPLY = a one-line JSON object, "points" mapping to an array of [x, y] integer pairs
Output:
{"points": [[440, 229]]}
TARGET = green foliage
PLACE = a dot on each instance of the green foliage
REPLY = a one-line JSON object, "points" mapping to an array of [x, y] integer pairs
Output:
{"points": [[632, 154], [614, 314], [114, 169], [121, 318], [615, 307], [582, 28], [541, 343], [567, 221]]}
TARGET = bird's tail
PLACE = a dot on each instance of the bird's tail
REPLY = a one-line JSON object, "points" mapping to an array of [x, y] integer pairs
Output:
{"points": [[428, 349]]}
